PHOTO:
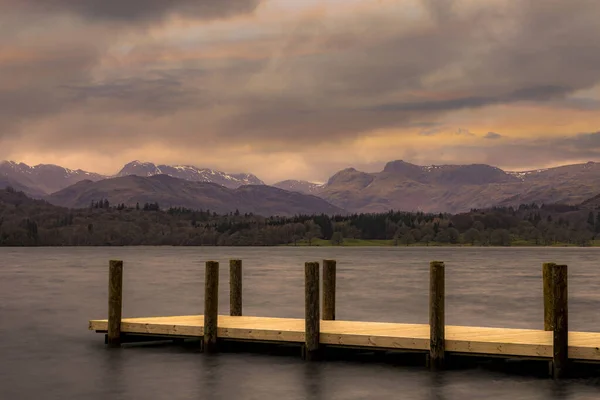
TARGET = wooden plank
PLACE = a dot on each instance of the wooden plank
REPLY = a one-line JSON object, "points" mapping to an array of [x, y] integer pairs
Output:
{"points": [[584, 346], [288, 336]]}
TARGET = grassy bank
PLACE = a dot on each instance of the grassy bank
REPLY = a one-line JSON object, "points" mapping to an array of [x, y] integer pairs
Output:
{"points": [[382, 243]]}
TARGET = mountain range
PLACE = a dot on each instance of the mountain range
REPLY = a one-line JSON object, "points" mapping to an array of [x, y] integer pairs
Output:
{"points": [[190, 173], [399, 186], [48, 178]]}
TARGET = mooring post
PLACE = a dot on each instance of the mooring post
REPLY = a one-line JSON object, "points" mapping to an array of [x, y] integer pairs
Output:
{"points": [[329, 276], [560, 356], [235, 288], [312, 312], [211, 306], [548, 296], [115, 302], [436, 315]]}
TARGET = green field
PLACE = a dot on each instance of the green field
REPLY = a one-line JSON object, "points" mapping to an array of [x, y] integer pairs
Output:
{"points": [[380, 243], [346, 242], [363, 242]]}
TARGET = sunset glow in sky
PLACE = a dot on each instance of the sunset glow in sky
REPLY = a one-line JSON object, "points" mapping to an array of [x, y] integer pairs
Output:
{"points": [[299, 88]]}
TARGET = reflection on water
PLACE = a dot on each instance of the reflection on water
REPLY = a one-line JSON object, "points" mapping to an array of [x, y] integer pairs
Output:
{"points": [[436, 386], [47, 296]]}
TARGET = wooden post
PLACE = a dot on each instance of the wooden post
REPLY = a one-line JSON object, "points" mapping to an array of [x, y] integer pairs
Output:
{"points": [[115, 302], [211, 306], [560, 356], [329, 272], [312, 312], [436, 315], [235, 288], [548, 296]]}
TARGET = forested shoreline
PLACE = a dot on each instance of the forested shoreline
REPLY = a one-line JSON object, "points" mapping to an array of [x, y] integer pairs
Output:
{"points": [[28, 222]]}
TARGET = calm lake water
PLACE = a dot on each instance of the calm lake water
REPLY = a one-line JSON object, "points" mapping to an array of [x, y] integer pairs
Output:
{"points": [[47, 296]]}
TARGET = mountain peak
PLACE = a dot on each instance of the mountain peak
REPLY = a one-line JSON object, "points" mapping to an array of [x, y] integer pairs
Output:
{"points": [[44, 178], [403, 167], [139, 168], [138, 163], [350, 177]]}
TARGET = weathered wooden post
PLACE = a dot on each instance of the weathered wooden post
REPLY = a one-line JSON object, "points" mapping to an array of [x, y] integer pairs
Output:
{"points": [[312, 312], [548, 296], [329, 276], [211, 306], [235, 288], [115, 302], [436, 315], [560, 356]]}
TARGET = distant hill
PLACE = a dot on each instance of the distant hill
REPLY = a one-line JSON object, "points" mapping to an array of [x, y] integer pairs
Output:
{"points": [[6, 182], [190, 173], [569, 184], [28, 222], [174, 192], [458, 188], [592, 203]]}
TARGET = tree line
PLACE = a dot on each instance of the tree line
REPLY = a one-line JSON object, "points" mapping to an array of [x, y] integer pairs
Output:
{"points": [[28, 222]]}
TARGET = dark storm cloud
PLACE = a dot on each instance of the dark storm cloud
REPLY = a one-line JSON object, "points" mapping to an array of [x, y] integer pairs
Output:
{"points": [[515, 153], [309, 84], [155, 95], [46, 60], [532, 51], [539, 93], [30, 82], [135, 10], [492, 135], [581, 142]]}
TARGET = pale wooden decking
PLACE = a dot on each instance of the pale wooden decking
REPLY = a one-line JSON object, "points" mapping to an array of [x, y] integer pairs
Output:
{"points": [[460, 339]]}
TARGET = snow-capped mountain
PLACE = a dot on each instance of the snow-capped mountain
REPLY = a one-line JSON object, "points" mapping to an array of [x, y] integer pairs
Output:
{"points": [[305, 187], [190, 173], [45, 178], [522, 175]]}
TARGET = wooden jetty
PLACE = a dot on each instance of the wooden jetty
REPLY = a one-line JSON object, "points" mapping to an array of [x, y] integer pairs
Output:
{"points": [[318, 331]]}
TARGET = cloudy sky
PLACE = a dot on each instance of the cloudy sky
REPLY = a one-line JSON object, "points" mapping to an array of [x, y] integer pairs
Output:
{"points": [[299, 88]]}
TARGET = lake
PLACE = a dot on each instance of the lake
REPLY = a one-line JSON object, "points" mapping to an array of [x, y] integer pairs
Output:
{"points": [[47, 296]]}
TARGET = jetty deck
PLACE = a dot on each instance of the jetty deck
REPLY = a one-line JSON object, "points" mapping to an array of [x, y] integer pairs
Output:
{"points": [[583, 346], [320, 329]]}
